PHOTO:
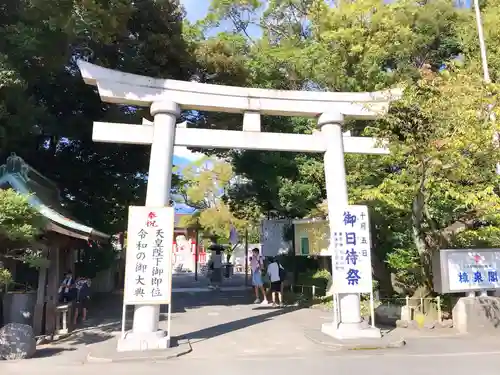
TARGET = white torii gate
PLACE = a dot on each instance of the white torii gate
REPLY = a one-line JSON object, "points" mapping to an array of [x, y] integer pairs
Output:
{"points": [[167, 97]]}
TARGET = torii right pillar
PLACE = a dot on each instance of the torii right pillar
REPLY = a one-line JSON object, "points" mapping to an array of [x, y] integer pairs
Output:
{"points": [[350, 325]]}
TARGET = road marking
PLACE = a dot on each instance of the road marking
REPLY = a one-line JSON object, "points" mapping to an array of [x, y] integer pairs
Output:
{"points": [[385, 354]]}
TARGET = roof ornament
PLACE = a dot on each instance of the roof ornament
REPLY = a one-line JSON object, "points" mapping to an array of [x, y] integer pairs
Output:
{"points": [[15, 164]]}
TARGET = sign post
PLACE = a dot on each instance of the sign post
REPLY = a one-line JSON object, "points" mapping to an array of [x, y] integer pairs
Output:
{"points": [[466, 270], [148, 267], [469, 271], [352, 267]]}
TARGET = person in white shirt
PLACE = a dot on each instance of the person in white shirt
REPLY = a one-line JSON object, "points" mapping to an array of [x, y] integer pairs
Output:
{"points": [[273, 270], [66, 289]]}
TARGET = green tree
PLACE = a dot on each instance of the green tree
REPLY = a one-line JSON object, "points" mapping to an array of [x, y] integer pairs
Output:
{"points": [[430, 183], [204, 185], [46, 110], [305, 44], [442, 182], [20, 226]]}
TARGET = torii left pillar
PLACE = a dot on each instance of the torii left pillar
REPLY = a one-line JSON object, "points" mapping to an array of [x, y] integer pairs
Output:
{"points": [[145, 334]]}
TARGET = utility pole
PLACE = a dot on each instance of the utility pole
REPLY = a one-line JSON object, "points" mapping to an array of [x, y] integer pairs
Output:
{"points": [[482, 44]]}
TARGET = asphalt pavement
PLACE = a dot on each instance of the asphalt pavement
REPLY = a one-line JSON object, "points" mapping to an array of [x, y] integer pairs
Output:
{"points": [[229, 334]]}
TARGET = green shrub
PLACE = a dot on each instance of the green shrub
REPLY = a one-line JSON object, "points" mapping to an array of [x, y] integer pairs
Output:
{"points": [[318, 278], [5, 278]]}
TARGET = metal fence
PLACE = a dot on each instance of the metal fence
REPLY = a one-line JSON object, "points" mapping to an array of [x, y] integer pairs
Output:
{"points": [[307, 290], [414, 305]]}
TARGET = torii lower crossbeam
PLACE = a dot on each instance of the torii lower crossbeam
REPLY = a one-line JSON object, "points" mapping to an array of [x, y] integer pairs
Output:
{"points": [[233, 139]]}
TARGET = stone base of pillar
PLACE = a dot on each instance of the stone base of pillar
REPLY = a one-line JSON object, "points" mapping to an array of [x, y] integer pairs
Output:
{"points": [[135, 342], [349, 331]]}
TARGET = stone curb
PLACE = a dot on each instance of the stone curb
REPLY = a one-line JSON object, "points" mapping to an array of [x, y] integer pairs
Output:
{"points": [[152, 356], [362, 344]]}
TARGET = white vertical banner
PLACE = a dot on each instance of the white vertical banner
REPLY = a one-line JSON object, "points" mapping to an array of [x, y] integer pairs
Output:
{"points": [[148, 267], [352, 251], [233, 236]]}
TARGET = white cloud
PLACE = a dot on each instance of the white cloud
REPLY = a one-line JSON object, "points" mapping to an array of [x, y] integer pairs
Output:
{"points": [[184, 152]]}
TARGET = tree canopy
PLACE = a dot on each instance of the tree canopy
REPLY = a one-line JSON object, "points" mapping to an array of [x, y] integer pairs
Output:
{"points": [[438, 187], [204, 185], [46, 110]]}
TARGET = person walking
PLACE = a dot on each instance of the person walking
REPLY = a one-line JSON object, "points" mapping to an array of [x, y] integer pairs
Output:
{"points": [[66, 290], [257, 266], [275, 272], [215, 265], [82, 287]]}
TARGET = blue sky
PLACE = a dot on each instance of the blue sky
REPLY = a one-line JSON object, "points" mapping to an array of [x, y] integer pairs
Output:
{"points": [[196, 9]]}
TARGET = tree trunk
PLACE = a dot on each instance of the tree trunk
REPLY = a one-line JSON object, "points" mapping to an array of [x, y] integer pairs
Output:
{"points": [[1, 297], [40, 300], [1, 307], [382, 275], [325, 263], [419, 239]]}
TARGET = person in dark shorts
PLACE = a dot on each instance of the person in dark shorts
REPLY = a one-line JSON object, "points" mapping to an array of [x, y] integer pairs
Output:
{"points": [[215, 264], [273, 270], [82, 287]]}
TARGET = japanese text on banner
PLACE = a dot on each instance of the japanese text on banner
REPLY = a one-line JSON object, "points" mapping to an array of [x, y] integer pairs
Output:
{"points": [[148, 264], [352, 259], [476, 269]]}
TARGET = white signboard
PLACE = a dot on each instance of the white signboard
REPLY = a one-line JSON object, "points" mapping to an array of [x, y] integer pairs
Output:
{"points": [[148, 269], [271, 237], [352, 258], [473, 269]]}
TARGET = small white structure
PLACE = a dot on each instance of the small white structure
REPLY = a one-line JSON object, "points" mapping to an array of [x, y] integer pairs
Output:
{"points": [[184, 259], [168, 97], [271, 237]]}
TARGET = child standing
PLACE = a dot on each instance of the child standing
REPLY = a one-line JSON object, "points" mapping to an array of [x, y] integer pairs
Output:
{"points": [[275, 272]]}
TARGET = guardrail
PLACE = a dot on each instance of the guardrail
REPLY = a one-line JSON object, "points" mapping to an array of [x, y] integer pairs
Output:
{"points": [[307, 290]]}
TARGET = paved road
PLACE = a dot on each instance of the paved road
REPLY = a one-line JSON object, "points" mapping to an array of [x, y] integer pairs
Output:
{"points": [[456, 364], [228, 333]]}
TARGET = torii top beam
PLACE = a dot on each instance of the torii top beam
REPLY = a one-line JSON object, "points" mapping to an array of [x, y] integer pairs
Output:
{"points": [[125, 88]]}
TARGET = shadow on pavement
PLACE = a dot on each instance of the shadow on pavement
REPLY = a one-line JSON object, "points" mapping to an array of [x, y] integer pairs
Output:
{"points": [[91, 334], [50, 352], [182, 302], [235, 325], [105, 312]]}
